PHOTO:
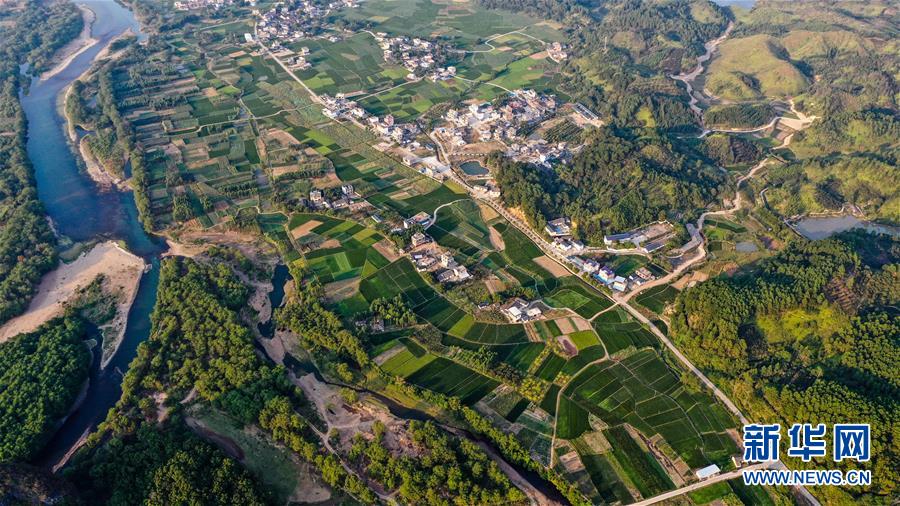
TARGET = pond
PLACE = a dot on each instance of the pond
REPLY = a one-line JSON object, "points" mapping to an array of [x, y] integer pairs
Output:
{"points": [[816, 228], [474, 168]]}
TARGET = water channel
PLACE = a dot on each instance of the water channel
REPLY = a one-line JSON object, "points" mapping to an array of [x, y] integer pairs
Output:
{"points": [[80, 213]]}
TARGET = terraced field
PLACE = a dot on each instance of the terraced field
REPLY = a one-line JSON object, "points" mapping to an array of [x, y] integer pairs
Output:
{"points": [[642, 391]]}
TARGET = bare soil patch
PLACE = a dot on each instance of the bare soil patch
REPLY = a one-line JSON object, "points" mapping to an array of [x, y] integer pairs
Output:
{"points": [[582, 324], [692, 278], [386, 248], [496, 239], [340, 290], [565, 325], [387, 355], [494, 284], [305, 229], [552, 266], [568, 346]]}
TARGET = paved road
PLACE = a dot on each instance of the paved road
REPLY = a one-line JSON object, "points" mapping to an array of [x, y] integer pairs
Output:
{"points": [[551, 252], [312, 94], [695, 486]]}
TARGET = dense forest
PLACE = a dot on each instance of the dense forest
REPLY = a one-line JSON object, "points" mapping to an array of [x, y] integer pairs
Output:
{"points": [[738, 115], [26, 239], [457, 469], [161, 467], [725, 150], [620, 180], [41, 374], [809, 334]]}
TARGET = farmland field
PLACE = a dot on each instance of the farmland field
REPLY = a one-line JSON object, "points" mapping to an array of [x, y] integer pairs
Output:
{"points": [[657, 298], [578, 298], [642, 391], [450, 378], [639, 465], [463, 221], [617, 336]]}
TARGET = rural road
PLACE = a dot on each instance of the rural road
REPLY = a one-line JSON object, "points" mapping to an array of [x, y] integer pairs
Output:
{"points": [[700, 484]]}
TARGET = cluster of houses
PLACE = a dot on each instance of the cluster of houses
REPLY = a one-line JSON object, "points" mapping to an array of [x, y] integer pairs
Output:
{"points": [[540, 152], [560, 230], [557, 52], [606, 275], [297, 20], [519, 310], [419, 56], [484, 122], [298, 61], [487, 189], [190, 5], [441, 264], [348, 199], [428, 165], [403, 134], [340, 107], [648, 239]]}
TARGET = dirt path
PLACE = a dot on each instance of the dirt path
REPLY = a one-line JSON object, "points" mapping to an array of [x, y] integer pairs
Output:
{"points": [[225, 443]]}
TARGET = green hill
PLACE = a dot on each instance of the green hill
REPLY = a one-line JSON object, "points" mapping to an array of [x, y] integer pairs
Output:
{"points": [[752, 68]]}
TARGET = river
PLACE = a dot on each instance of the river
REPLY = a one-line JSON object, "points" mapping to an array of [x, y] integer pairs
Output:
{"points": [[81, 213]]}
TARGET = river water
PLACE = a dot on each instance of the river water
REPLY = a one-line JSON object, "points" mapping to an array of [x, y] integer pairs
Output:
{"points": [[81, 213]]}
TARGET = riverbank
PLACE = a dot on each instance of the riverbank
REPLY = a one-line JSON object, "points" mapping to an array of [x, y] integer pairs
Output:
{"points": [[104, 180], [80, 44], [122, 273]]}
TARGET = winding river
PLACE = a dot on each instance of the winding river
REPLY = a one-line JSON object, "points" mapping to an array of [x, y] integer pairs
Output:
{"points": [[81, 213]]}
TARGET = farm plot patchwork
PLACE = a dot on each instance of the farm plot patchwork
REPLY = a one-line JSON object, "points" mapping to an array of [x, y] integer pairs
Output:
{"points": [[618, 336], [401, 277], [354, 64], [657, 298], [642, 391], [352, 256]]}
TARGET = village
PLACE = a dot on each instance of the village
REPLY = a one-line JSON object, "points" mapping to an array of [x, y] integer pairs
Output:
{"points": [[284, 24], [502, 124]]}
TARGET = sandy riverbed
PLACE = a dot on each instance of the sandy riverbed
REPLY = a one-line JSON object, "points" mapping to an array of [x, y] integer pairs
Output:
{"points": [[123, 272], [70, 51]]}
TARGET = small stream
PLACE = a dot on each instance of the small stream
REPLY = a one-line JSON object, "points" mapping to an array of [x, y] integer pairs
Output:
{"points": [[304, 367]]}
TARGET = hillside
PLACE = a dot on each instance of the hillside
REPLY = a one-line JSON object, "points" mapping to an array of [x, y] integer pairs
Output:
{"points": [[820, 185], [807, 334], [841, 56], [754, 67]]}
